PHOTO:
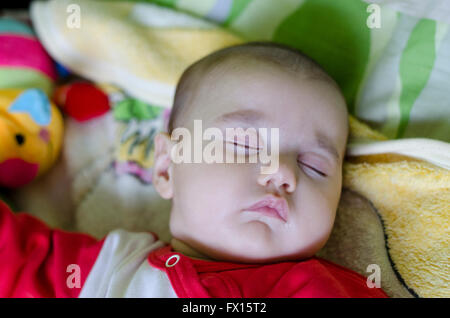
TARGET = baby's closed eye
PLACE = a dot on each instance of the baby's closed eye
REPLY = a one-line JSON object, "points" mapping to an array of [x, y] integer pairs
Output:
{"points": [[314, 165], [243, 143]]}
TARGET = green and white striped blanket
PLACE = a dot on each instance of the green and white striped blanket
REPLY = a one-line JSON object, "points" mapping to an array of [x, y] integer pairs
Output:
{"points": [[396, 77]]}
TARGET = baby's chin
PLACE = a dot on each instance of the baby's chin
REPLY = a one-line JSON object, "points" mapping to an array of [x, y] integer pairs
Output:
{"points": [[261, 258], [255, 241], [259, 253]]}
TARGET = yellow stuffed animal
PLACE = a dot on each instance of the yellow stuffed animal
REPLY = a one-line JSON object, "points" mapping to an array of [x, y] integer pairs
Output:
{"points": [[31, 132]]}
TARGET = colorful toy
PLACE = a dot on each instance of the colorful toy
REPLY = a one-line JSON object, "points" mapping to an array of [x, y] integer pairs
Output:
{"points": [[31, 132], [24, 63], [31, 128], [81, 100]]}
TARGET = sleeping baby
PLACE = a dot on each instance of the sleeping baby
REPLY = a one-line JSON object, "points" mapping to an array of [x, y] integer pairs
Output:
{"points": [[237, 230]]}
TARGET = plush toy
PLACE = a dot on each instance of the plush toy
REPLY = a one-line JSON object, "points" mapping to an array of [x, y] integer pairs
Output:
{"points": [[31, 127], [81, 100], [31, 132], [24, 63]]}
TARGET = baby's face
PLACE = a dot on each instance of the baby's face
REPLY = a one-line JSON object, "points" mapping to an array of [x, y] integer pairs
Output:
{"points": [[210, 201]]}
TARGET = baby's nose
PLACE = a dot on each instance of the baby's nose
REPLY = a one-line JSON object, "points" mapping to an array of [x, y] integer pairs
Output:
{"points": [[283, 179]]}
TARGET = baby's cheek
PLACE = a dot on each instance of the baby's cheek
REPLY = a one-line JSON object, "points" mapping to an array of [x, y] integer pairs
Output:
{"points": [[227, 173], [314, 229], [317, 207], [202, 182], [328, 192]]}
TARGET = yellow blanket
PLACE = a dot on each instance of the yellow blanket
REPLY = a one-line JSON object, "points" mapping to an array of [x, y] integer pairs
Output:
{"points": [[396, 214]]}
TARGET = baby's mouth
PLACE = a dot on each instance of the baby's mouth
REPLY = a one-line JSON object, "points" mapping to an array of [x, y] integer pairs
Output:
{"points": [[271, 206]]}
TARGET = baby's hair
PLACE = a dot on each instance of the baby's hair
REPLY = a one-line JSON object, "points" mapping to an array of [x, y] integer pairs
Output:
{"points": [[286, 57]]}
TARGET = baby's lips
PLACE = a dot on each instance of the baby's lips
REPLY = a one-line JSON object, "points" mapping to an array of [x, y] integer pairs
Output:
{"points": [[271, 202]]}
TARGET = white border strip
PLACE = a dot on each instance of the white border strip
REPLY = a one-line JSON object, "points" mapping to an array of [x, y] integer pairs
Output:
{"points": [[433, 151]]}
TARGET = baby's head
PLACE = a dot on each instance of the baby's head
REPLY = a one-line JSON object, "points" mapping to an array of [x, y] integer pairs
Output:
{"points": [[256, 85]]}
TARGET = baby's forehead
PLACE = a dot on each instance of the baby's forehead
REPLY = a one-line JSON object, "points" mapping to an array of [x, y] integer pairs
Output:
{"points": [[230, 81], [242, 69], [243, 78], [268, 101], [238, 65], [225, 80]]}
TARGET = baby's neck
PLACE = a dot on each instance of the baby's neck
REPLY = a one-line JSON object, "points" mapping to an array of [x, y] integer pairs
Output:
{"points": [[183, 248]]}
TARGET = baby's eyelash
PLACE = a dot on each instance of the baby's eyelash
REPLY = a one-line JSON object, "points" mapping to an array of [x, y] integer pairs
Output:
{"points": [[312, 168], [248, 150], [246, 146]]}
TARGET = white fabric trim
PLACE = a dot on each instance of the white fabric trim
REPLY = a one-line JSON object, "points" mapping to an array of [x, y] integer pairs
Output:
{"points": [[433, 151], [122, 270]]}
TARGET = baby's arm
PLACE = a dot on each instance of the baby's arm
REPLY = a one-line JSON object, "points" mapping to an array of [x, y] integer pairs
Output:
{"points": [[36, 261]]}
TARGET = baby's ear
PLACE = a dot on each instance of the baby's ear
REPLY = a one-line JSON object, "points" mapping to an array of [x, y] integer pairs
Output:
{"points": [[162, 168]]}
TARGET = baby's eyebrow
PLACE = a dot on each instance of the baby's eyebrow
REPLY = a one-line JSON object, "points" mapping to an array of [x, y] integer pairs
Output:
{"points": [[243, 115]]}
